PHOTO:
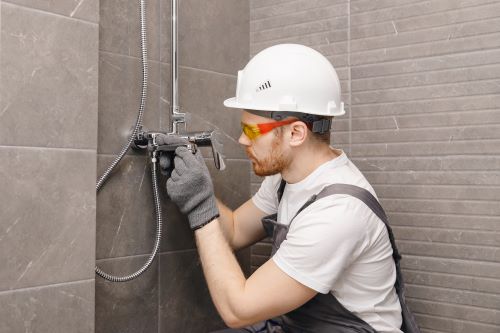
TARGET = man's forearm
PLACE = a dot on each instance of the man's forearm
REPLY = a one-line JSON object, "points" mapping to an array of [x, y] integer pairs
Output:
{"points": [[225, 279], [226, 221]]}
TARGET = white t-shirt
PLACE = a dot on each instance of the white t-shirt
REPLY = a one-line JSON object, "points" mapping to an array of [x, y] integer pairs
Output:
{"points": [[337, 244]]}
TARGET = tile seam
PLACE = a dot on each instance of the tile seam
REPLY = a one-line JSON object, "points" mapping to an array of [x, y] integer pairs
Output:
{"points": [[41, 11], [448, 274], [423, 99], [284, 2], [424, 14], [270, 18], [52, 285], [440, 199], [319, 32], [433, 141], [456, 319], [167, 63], [438, 55], [435, 42], [349, 65], [425, 29], [293, 25], [50, 148], [439, 70]]}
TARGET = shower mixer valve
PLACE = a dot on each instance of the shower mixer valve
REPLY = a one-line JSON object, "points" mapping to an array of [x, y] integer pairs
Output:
{"points": [[166, 152]]}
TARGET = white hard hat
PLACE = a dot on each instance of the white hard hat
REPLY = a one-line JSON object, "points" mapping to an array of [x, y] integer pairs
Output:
{"points": [[289, 77]]}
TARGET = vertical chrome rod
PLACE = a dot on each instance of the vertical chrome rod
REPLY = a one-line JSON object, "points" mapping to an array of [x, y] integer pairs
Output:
{"points": [[176, 116]]}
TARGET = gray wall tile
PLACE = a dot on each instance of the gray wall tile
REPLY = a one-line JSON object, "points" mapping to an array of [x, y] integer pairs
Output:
{"points": [[50, 96], [82, 9], [120, 28], [433, 76], [126, 220], [423, 128], [48, 220], [131, 306], [212, 35], [185, 304], [120, 84], [64, 308]]}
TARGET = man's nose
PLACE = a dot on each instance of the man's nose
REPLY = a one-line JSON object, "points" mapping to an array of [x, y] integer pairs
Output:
{"points": [[244, 140]]}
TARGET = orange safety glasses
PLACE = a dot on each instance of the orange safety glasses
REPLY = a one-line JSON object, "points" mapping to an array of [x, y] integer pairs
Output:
{"points": [[254, 131]]}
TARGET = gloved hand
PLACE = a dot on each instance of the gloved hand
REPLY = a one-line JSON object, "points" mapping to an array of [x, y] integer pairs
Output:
{"points": [[190, 188]]}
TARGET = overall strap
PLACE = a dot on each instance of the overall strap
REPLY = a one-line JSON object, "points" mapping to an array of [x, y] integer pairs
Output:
{"points": [[281, 189]]}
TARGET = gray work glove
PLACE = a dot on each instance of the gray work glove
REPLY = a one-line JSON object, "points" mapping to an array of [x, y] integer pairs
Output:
{"points": [[190, 187]]}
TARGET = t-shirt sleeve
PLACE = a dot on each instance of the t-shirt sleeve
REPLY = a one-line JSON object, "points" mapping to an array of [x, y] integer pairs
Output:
{"points": [[323, 241], [266, 198]]}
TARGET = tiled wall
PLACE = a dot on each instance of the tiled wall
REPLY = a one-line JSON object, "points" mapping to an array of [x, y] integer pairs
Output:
{"points": [[48, 141], [425, 131], [213, 44], [423, 84]]}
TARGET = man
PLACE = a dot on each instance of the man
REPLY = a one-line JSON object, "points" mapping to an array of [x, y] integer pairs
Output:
{"points": [[332, 268]]}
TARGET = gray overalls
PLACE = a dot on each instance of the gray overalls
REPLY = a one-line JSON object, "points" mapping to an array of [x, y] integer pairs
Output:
{"points": [[324, 313]]}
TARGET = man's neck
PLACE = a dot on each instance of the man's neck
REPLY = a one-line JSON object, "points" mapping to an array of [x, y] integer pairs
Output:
{"points": [[306, 161]]}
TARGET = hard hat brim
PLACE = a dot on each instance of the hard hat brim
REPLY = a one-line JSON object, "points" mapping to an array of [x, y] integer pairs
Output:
{"points": [[232, 103]]}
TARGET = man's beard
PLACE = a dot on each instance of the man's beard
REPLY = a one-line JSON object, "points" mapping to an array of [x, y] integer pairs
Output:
{"points": [[275, 162]]}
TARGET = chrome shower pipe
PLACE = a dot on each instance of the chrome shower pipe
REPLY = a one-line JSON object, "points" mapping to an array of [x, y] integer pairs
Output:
{"points": [[176, 116]]}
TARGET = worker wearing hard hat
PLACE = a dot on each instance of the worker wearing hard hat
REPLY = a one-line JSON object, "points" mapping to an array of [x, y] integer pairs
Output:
{"points": [[334, 264]]}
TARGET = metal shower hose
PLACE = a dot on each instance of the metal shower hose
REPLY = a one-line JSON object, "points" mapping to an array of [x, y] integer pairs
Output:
{"points": [[137, 127]]}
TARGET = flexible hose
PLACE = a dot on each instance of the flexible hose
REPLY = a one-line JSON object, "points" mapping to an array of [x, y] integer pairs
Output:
{"points": [[148, 263], [137, 127]]}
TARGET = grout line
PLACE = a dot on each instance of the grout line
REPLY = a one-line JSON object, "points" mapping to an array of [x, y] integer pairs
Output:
{"points": [[412, 76], [314, 33], [168, 63], [431, 243], [494, 217], [439, 54], [456, 260], [410, 270], [428, 30], [271, 18], [437, 70], [436, 185], [133, 256], [208, 71], [413, 87], [44, 12], [431, 171], [438, 113], [441, 199], [419, 227], [350, 74], [291, 25], [415, 16], [179, 251], [371, 104], [281, 3], [50, 148], [482, 140], [442, 317], [59, 284]]}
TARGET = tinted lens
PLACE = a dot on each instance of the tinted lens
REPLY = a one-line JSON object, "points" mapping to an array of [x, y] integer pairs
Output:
{"points": [[250, 131]]}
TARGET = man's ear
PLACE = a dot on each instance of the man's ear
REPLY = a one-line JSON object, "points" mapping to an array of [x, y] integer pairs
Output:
{"points": [[298, 133]]}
